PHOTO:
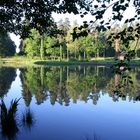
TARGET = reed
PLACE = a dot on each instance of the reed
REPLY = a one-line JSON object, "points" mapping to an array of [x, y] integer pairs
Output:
{"points": [[9, 127]]}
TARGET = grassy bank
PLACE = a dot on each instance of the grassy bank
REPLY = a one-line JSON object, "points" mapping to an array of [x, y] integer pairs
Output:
{"points": [[36, 61], [16, 61], [24, 61]]}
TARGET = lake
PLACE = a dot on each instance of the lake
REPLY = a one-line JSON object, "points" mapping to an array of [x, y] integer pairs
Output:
{"points": [[72, 103]]}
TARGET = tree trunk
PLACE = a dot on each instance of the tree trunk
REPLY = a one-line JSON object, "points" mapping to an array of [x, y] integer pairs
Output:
{"points": [[97, 71], [67, 54], [42, 48], [104, 53], [84, 70], [97, 53], [75, 52], [42, 76], [117, 48], [67, 72], [79, 56], [60, 78], [84, 55], [60, 52], [117, 80]]}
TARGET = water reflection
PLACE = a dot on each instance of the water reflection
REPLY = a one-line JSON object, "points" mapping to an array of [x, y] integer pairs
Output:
{"points": [[28, 119], [63, 84], [45, 91], [71, 84], [94, 136], [7, 76]]}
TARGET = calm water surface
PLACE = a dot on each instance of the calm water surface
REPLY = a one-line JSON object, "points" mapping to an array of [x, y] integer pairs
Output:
{"points": [[72, 103]]}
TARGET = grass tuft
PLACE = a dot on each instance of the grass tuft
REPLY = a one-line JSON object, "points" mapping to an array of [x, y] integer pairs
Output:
{"points": [[8, 119]]}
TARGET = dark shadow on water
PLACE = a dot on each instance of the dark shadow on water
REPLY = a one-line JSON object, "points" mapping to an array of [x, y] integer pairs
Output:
{"points": [[94, 136], [28, 119]]}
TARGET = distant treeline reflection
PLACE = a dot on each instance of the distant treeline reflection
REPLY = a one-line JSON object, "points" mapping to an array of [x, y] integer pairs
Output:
{"points": [[7, 76], [70, 84]]}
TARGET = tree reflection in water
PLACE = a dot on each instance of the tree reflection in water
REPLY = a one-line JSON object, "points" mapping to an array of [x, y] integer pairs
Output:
{"points": [[62, 84], [28, 119], [65, 85], [92, 137], [124, 84], [70, 84], [7, 76]]}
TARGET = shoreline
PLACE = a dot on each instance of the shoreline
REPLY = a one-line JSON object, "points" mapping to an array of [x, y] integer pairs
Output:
{"points": [[22, 61]]}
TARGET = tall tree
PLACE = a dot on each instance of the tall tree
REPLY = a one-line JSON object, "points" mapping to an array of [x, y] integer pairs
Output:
{"points": [[7, 46], [51, 46], [32, 44], [63, 27]]}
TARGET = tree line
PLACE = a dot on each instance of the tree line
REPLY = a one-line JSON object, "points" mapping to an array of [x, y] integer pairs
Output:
{"points": [[63, 46], [20, 17]]}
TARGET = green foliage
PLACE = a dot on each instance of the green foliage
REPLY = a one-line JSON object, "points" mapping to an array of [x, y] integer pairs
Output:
{"points": [[33, 87], [85, 46], [36, 14], [51, 45], [7, 46], [62, 45], [94, 44], [22, 16], [32, 44]]}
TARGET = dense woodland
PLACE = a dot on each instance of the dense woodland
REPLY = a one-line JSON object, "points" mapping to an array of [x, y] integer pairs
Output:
{"points": [[43, 37], [62, 46]]}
